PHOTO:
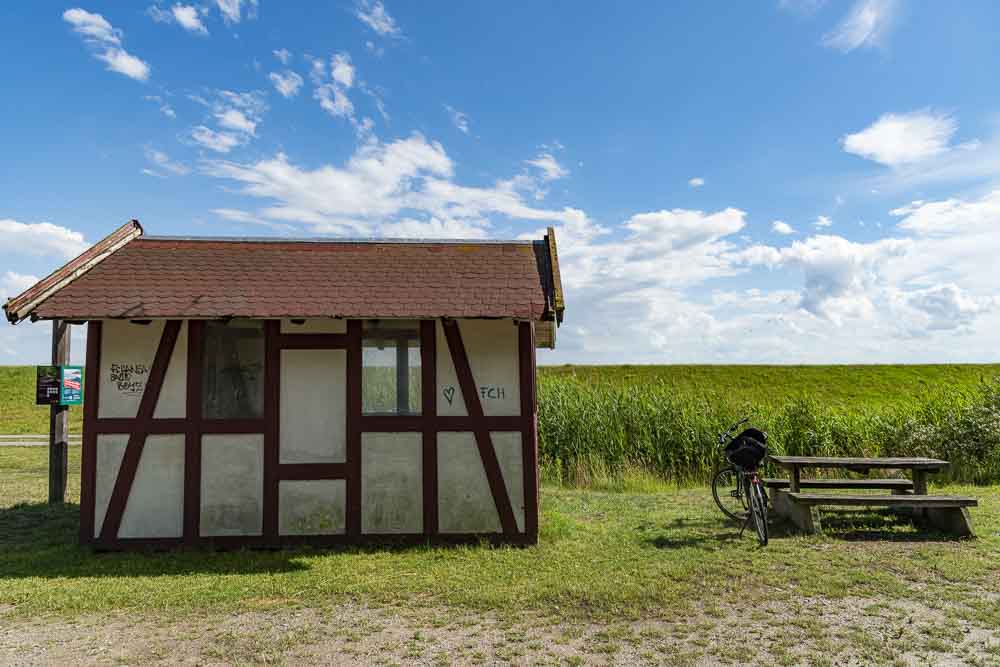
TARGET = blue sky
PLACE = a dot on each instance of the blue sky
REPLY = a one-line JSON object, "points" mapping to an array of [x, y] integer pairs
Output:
{"points": [[798, 181]]}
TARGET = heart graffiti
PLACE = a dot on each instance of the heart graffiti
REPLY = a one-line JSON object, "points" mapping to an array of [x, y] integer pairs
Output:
{"points": [[449, 394]]}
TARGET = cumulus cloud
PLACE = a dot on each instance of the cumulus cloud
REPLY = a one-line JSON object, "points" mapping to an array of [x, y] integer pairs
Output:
{"points": [[105, 42], [696, 182], [374, 15], [781, 227], [237, 114], [341, 69], [405, 187], [867, 24], [287, 83], [12, 284], [951, 216], [899, 139], [284, 55], [822, 222], [40, 239]]}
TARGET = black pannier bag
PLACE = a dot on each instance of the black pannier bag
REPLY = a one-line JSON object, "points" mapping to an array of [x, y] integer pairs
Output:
{"points": [[747, 449]]}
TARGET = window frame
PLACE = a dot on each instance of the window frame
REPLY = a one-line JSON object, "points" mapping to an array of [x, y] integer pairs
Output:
{"points": [[401, 339]]}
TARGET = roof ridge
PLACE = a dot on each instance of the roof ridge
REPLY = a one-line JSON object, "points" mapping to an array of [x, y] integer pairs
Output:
{"points": [[345, 240]]}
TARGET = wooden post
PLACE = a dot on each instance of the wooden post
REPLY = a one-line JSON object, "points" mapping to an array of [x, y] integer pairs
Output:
{"points": [[919, 482], [59, 420], [793, 485]]}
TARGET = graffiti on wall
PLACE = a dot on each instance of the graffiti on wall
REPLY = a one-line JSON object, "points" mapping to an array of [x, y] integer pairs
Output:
{"points": [[487, 392], [129, 378]]}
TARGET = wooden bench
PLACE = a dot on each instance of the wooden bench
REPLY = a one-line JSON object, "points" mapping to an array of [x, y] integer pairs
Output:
{"points": [[946, 513], [894, 485]]}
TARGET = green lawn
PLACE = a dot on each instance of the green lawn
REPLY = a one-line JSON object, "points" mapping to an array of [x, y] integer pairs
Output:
{"points": [[642, 570]]}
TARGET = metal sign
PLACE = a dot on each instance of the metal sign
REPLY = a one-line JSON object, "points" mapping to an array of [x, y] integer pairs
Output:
{"points": [[47, 383], [59, 385], [71, 385]]}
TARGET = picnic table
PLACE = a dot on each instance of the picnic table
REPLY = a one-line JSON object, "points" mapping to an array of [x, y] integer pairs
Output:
{"points": [[946, 513]]}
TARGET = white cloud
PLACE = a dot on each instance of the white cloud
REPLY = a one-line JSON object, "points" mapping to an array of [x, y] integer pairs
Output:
{"points": [[944, 307], [163, 161], [459, 119], [105, 43], [395, 186], [287, 83], [40, 239], [867, 24], [92, 26], [822, 222], [374, 15], [334, 101], [232, 10], [221, 142], [899, 139], [951, 216], [284, 55], [549, 166], [696, 182], [165, 107], [341, 69], [781, 227], [234, 119], [186, 16], [12, 284]]}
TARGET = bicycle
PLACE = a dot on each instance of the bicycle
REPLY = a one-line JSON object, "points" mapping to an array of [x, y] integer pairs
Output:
{"points": [[737, 487]]}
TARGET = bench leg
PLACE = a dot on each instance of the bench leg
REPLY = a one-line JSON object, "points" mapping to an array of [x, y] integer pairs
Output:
{"points": [[954, 520], [805, 517]]}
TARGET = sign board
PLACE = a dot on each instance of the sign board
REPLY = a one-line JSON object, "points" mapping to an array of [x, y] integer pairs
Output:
{"points": [[59, 385], [71, 385], [47, 382]]}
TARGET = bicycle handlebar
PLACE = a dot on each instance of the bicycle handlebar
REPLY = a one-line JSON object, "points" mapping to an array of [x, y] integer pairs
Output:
{"points": [[723, 436]]}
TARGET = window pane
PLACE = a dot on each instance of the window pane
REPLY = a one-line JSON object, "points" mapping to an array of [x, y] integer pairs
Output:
{"points": [[391, 369], [233, 370]]}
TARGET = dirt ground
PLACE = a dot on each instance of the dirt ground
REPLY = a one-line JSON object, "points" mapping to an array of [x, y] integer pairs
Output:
{"points": [[816, 632]]}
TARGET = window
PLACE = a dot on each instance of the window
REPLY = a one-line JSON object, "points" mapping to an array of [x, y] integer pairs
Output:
{"points": [[232, 381], [390, 377]]}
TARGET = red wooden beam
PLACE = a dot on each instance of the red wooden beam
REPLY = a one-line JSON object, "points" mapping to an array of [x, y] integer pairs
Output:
{"points": [[137, 438], [354, 408], [88, 455], [192, 439], [529, 418], [428, 419], [310, 471], [272, 421], [494, 475]]}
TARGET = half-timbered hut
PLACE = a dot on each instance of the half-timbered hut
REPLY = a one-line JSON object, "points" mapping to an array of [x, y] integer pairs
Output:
{"points": [[264, 392]]}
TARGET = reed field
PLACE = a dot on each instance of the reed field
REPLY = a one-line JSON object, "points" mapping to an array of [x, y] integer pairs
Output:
{"points": [[612, 425], [600, 425]]}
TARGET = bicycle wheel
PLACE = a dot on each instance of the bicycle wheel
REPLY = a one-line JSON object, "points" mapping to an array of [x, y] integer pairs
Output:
{"points": [[758, 507], [727, 489]]}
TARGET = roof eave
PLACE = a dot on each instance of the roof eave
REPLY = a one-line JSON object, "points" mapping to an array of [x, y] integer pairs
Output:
{"points": [[23, 306]]}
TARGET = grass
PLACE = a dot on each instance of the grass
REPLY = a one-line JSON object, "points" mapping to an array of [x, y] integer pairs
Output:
{"points": [[664, 552]]}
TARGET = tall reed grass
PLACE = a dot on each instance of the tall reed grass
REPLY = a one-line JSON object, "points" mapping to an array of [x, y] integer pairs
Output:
{"points": [[590, 433]]}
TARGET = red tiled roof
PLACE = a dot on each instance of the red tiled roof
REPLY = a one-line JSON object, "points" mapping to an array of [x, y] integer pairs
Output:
{"points": [[210, 278]]}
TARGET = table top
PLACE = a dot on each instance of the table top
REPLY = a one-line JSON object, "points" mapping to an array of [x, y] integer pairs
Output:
{"points": [[857, 462]]}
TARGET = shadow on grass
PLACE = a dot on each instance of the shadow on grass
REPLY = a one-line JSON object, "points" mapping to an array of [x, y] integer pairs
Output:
{"points": [[875, 525], [41, 540]]}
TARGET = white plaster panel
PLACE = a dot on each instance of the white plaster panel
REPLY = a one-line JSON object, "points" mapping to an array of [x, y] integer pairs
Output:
{"points": [[127, 353], [172, 402], [313, 406], [392, 483], [318, 326], [232, 485], [110, 450], [465, 503], [507, 445], [312, 507], [492, 348], [155, 506]]}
